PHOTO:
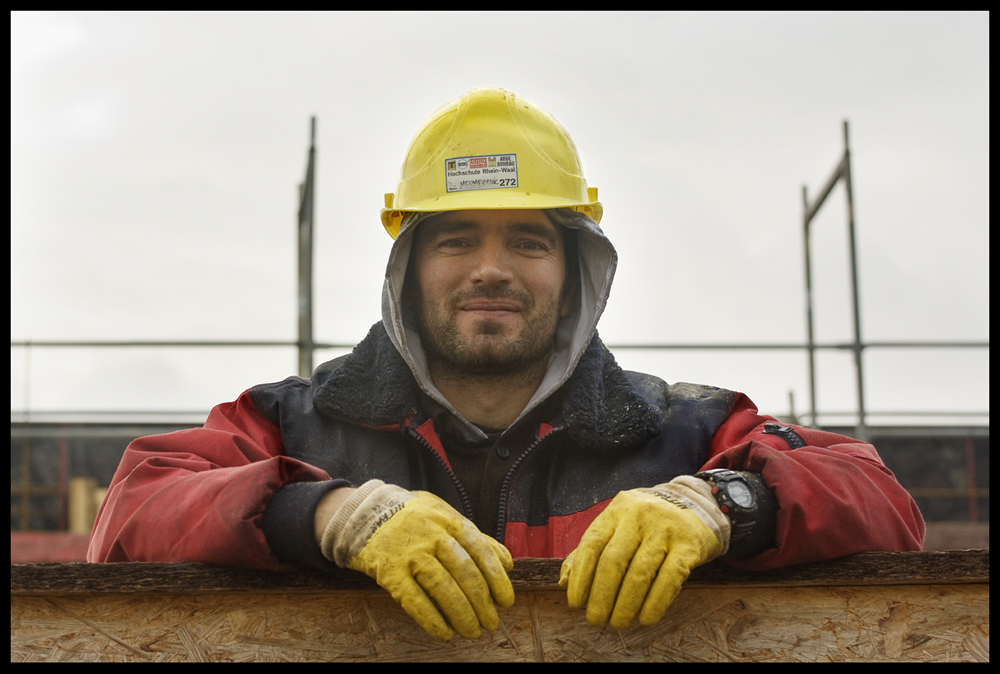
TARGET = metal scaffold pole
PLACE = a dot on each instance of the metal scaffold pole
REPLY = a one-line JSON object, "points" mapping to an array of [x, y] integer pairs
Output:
{"points": [[862, 431], [842, 172], [305, 231]]}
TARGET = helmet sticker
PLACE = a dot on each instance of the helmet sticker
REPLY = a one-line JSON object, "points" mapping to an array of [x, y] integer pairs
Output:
{"points": [[485, 172]]}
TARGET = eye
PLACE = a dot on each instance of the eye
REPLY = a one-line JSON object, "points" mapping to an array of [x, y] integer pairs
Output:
{"points": [[533, 246]]}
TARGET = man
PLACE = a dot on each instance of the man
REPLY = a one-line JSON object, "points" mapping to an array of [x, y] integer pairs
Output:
{"points": [[483, 418]]}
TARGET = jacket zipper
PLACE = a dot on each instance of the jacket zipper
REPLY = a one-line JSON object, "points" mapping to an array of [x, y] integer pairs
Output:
{"points": [[787, 433], [459, 487], [502, 519]]}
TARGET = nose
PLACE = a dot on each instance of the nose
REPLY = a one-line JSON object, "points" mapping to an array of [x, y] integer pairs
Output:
{"points": [[492, 265]]}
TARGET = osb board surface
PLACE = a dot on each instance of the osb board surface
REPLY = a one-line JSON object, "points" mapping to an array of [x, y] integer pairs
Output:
{"points": [[847, 623]]}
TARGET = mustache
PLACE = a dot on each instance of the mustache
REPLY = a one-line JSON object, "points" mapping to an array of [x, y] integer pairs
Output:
{"points": [[492, 293]]}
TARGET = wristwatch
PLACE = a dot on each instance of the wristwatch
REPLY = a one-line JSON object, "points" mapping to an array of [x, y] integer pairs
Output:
{"points": [[737, 499]]}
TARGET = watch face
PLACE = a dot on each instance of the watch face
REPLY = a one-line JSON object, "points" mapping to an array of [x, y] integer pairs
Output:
{"points": [[741, 494]]}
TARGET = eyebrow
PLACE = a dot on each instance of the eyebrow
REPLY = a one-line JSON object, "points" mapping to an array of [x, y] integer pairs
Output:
{"points": [[548, 233]]}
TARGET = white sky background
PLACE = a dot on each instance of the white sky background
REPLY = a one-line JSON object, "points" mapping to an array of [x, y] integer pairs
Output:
{"points": [[155, 160]]}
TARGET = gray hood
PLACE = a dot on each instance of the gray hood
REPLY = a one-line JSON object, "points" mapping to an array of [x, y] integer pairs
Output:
{"points": [[598, 261]]}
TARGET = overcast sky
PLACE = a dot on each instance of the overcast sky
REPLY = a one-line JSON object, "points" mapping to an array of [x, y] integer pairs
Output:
{"points": [[155, 160]]}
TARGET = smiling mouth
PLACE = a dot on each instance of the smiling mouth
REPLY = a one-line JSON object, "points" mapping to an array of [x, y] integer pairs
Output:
{"points": [[490, 306]]}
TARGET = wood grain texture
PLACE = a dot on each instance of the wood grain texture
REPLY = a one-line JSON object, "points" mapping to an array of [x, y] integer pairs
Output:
{"points": [[841, 611]]}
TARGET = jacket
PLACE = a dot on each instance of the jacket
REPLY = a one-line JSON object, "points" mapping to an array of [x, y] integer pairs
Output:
{"points": [[241, 490], [205, 494]]}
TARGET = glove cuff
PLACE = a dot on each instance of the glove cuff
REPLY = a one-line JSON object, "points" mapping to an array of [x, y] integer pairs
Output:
{"points": [[359, 517], [696, 495]]}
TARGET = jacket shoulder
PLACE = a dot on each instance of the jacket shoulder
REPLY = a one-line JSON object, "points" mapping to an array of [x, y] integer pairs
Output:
{"points": [[268, 398], [683, 399]]}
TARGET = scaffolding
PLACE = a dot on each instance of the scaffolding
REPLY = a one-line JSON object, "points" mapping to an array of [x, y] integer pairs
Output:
{"points": [[306, 346]]}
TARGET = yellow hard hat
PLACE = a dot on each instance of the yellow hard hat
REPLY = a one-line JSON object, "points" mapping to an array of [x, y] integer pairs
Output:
{"points": [[489, 149]]}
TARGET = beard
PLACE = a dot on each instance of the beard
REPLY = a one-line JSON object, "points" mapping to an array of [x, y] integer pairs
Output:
{"points": [[485, 349]]}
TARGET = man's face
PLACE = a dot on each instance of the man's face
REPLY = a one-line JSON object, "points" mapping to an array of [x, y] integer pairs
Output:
{"points": [[489, 289]]}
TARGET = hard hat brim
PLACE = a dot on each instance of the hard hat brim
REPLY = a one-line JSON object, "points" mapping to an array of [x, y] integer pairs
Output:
{"points": [[392, 218]]}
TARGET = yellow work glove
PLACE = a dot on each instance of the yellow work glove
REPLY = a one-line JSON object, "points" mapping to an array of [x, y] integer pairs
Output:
{"points": [[434, 562], [635, 555]]}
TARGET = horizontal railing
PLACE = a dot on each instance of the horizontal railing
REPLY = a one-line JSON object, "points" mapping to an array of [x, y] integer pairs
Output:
{"points": [[842, 346]]}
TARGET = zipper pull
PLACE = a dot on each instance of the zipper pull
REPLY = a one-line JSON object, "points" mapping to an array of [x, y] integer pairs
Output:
{"points": [[786, 433]]}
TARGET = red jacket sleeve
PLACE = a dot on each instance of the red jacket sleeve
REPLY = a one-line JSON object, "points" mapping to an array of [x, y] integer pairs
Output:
{"points": [[198, 495], [835, 496]]}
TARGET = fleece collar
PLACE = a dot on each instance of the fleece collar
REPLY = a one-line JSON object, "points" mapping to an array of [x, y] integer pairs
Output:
{"points": [[373, 386]]}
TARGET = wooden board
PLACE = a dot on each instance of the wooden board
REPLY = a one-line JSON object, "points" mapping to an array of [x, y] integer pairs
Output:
{"points": [[194, 612]]}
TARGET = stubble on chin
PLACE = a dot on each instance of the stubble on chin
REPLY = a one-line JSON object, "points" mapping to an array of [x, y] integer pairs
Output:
{"points": [[487, 351]]}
